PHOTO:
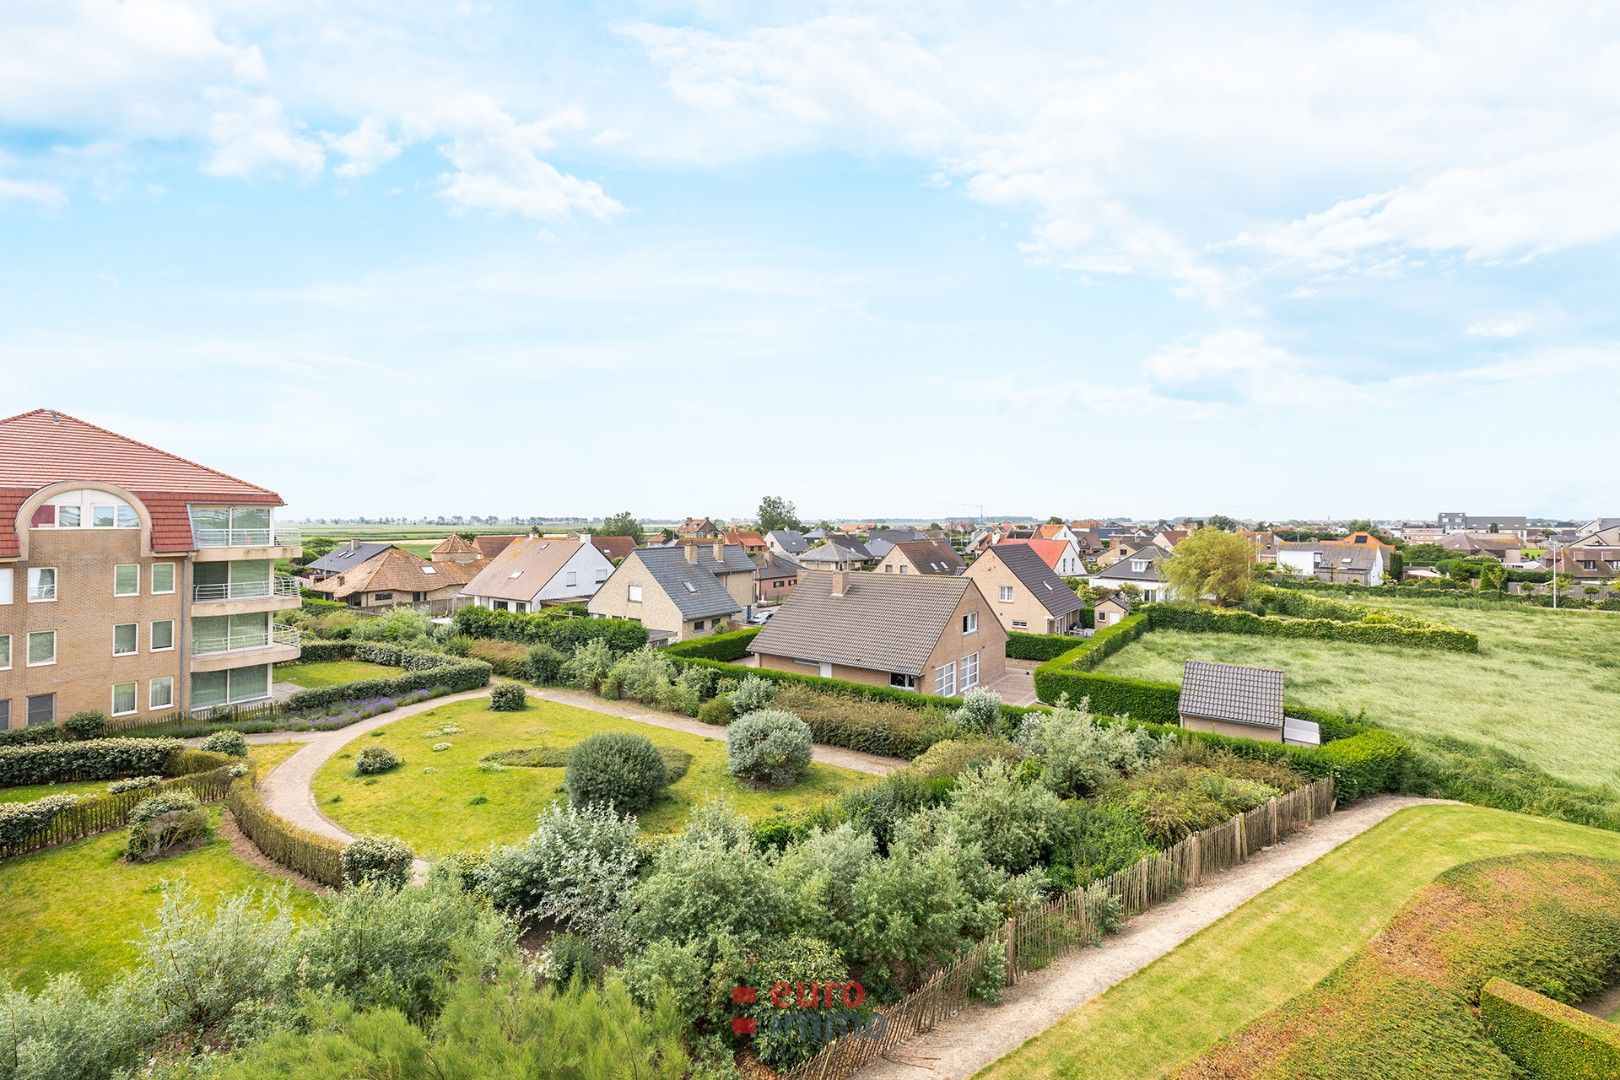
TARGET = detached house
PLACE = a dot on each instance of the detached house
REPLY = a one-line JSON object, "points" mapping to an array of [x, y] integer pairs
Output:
{"points": [[1590, 564], [927, 632], [750, 541], [615, 548], [394, 577], [680, 592], [454, 548], [1504, 549], [1351, 564], [346, 556], [774, 578], [1025, 594], [535, 571], [921, 557], [787, 543], [1061, 555], [879, 542], [698, 529], [837, 553], [1143, 568]]}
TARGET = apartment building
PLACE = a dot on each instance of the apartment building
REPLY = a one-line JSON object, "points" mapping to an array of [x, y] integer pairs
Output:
{"points": [[132, 581]]}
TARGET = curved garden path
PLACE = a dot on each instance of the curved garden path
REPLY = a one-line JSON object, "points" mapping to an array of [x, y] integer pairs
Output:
{"points": [[982, 1034], [288, 788]]}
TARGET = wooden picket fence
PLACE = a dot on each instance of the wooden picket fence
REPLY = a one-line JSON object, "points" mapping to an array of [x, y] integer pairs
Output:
{"points": [[98, 813], [1069, 922]]}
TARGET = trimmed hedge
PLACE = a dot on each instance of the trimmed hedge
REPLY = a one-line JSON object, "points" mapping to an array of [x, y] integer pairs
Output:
{"points": [[562, 630], [92, 759], [423, 671], [724, 647], [317, 857], [1037, 646], [1548, 1038]]}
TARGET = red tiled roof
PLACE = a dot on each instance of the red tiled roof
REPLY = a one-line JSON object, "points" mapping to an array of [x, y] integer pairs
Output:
{"points": [[1050, 551], [614, 547], [491, 546], [45, 447]]}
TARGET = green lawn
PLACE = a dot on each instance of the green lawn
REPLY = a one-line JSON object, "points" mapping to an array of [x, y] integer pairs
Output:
{"points": [[1280, 943], [323, 673], [1545, 685], [433, 801], [39, 791]]}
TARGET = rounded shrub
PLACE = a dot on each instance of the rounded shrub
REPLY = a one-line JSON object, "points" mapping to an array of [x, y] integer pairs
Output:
{"points": [[953, 757], [163, 821], [508, 697], [381, 859], [546, 664], [718, 711], [753, 694], [770, 748], [133, 783], [376, 759], [86, 725], [617, 769], [228, 741]]}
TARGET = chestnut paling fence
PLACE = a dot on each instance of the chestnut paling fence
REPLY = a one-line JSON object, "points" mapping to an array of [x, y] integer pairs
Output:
{"points": [[98, 813], [1069, 922]]}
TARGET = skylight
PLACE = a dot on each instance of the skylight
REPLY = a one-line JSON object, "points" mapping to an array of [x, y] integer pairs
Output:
{"points": [[689, 586], [514, 575], [429, 569]]}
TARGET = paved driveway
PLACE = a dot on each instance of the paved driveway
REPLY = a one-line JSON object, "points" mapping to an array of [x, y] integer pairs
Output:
{"points": [[1017, 687]]}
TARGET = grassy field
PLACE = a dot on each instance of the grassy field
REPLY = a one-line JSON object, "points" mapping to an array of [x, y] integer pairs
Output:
{"points": [[333, 672], [266, 757], [412, 532], [442, 801], [1545, 685], [1280, 943]]}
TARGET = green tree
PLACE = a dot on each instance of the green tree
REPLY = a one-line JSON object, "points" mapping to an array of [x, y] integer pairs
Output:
{"points": [[1223, 523], [775, 512], [623, 523], [1492, 576], [1212, 563], [1054, 520]]}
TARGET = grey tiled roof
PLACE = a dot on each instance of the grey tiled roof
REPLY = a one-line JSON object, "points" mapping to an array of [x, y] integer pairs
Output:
{"points": [[769, 567], [792, 541], [1339, 557], [341, 558], [1237, 695], [1121, 571], [1041, 580], [837, 549], [932, 557], [883, 622], [696, 589]]}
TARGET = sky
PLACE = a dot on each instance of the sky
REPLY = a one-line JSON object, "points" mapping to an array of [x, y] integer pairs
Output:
{"points": [[1274, 261]]}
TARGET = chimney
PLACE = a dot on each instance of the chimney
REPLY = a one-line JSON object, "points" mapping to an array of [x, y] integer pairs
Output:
{"points": [[350, 545], [840, 582], [719, 551], [691, 553]]}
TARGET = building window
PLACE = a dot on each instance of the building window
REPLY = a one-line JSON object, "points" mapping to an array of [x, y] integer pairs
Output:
{"points": [[41, 584], [635, 594], [697, 624], [572, 579], [970, 623], [5, 585], [945, 680], [127, 579], [41, 709], [1020, 624], [970, 672], [160, 693], [126, 639], [5, 654], [5, 713], [210, 688], [162, 578], [601, 575], [1005, 594], [903, 682], [888, 569], [162, 636], [903, 569], [41, 648], [380, 597], [123, 698]]}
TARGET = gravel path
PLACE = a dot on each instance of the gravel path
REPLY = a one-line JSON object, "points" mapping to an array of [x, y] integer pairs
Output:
{"points": [[980, 1034]]}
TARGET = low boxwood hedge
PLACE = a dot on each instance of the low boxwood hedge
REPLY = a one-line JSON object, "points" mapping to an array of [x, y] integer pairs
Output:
{"points": [[423, 671], [317, 857], [1546, 1037], [92, 759]]}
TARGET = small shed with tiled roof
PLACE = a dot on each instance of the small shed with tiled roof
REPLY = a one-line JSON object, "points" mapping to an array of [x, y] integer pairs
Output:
{"points": [[1246, 702]]}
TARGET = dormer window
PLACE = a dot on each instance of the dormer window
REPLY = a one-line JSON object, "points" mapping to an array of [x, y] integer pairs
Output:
{"points": [[85, 509], [1139, 566]]}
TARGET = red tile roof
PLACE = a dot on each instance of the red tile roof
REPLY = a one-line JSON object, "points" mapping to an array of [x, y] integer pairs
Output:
{"points": [[491, 546], [1050, 551], [45, 447], [614, 547]]}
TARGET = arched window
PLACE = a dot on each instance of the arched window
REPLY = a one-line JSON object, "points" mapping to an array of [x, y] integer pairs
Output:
{"points": [[85, 508]]}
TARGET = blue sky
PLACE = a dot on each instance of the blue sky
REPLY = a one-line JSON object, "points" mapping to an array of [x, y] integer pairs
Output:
{"points": [[1079, 259]]}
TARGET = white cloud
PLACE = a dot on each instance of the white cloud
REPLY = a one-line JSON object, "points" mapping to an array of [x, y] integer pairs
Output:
{"points": [[366, 147], [252, 135], [47, 195], [1499, 328]]}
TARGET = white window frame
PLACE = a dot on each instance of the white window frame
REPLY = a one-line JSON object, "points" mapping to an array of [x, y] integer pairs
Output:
{"points": [[129, 652], [5, 652], [970, 623], [969, 662], [56, 581], [940, 680], [174, 576], [633, 594], [134, 700], [1005, 594], [28, 657], [151, 636], [131, 566], [166, 682], [8, 585], [571, 579]]}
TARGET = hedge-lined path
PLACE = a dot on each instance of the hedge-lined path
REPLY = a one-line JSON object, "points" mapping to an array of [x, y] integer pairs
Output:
{"points": [[982, 1034], [853, 760]]}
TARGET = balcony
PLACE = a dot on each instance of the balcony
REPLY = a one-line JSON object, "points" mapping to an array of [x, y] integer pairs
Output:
{"points": [[275, 542], [277, 593], [279, 646]]}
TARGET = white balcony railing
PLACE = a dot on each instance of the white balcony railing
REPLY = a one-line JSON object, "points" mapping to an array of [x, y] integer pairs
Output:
{"points": [[256, 639], [281, 585], [275, 536]]}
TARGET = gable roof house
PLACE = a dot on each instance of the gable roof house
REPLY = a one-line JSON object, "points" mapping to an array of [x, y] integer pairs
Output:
{"points": [[1590, 563], [921, 557], [1024, 592], [701, 528], [1061, 555], [346, 556], [1605, 532], [879, 542], [679, 592], [774, 578], [1245, 702], [748, 539], [395, 577], [535, 571], [932, 633], [1504, 549], [1327, 560], [615, 548], [788, 543], [837, 553], [1142, 567]]}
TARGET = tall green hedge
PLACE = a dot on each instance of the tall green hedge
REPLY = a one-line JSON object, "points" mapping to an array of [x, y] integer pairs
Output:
{"points": [[423, 671], [92, 759], [564, 632], [1547, 1038]]}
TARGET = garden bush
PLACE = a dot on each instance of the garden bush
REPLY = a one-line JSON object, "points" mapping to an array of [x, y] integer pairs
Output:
{"points": [[21, 821], [875, 727], [770, 748], [508, 697], [954, 756], [164, 821], [133, 783], [1015, 825], [1177, 798], [588, 665], [1546, 1037], [799, 961], [545, 664], [562, 631], [980, 712], [92, 759], [228, 741], [569, 958], [423, 671], [752, 695], [718, 710], [317, 857], [380, 859], [376, 759], [575, 869], [617, 769], [86, 725], [509, 659], [1079, 755]]}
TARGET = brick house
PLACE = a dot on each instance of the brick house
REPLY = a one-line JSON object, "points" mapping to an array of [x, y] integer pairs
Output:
{"points": [[921, 557], [933, 633], [679, 592], [534, 571], [774, 578], [132, 581], [394, 578], [1024, 593]]}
